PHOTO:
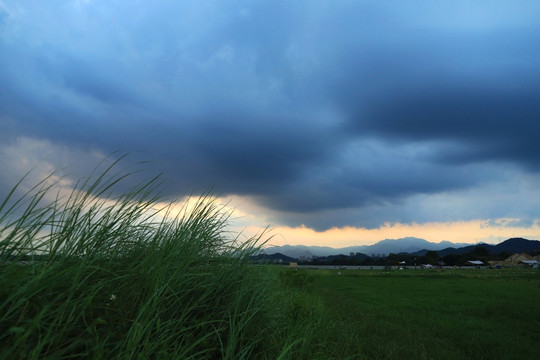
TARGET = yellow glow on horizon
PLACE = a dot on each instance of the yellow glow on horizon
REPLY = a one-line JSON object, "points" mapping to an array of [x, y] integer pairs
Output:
{"points": [[249, 221], [457, 232]]}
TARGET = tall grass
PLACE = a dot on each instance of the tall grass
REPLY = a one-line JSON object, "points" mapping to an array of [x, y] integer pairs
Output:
{"points": [[91, 274]]}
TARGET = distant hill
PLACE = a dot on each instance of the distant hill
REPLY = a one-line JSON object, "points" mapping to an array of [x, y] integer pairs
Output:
{"points": [[297, 251], [274, 258], [341, 259], [513, 245], [381, 248], [517, 245], [408, 245]]}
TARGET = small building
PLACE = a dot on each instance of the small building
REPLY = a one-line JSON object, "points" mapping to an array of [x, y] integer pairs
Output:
{"points": [[293, 264], [475, 262]]}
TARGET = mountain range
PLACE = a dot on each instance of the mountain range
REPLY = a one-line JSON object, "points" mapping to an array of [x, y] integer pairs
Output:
{"points": [[513, 245], [409, 245]]}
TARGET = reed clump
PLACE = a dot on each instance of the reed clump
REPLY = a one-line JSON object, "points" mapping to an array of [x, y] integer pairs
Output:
{"points": [[90, 274]]}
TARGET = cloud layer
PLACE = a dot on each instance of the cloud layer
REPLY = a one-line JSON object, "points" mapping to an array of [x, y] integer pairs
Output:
{"points": [[326, 114]]}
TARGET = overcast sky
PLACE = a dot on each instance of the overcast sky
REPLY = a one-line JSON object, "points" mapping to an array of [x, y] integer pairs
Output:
{"points": [[337, 122]]}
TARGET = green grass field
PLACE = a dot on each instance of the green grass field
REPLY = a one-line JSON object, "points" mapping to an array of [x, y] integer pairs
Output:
{"points": [[424, 314], [96, 273]]}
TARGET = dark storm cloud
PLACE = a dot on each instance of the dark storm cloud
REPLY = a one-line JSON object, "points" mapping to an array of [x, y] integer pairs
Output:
{"points": [[307, 107], [251, 153], [485, 124], [370, 179], [479, 92]]}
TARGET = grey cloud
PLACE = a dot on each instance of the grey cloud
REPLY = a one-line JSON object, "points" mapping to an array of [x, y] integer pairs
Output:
{"points": [[489, 125], [270, 100], [479, 92], [371, 180], [517, 223]]}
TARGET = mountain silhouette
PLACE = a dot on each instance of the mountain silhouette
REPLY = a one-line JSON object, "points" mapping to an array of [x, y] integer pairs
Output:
{"points": [[513, 245], [410, 245]]}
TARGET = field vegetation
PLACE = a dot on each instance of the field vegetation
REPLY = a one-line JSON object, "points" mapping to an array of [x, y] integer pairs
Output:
{"points": [[93, 274], [97, 273], [426, 314]]}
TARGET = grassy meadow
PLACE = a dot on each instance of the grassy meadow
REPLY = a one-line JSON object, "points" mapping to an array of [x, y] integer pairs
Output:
{"points": [[97, 273], [425, 314]]}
